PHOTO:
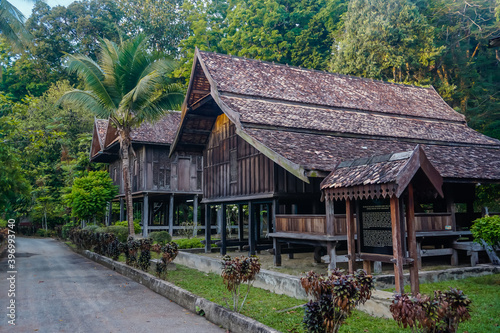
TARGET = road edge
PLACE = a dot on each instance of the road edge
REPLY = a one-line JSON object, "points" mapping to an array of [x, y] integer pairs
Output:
{"points": [[230, 320]]}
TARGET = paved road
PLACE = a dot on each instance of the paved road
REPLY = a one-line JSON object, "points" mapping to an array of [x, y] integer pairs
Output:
{"points": [[60, 291]]}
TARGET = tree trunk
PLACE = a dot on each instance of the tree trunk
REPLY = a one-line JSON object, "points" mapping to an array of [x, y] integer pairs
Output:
{"points": [[125, 155]]}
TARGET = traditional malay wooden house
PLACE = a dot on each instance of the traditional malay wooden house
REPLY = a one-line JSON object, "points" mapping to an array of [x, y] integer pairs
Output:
{"points": [[163, 186], [271, 133]]}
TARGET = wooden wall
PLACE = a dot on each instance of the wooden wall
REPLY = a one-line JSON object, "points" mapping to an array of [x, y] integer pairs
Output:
{"points": [[153, 170], [232, 167]]}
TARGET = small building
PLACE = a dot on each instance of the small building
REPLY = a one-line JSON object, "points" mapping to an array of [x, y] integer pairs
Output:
{"points": [[165, 188], [271, 133]]}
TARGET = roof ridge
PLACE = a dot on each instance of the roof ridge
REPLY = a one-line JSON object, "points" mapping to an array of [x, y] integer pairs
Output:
{"points": [[430, 87]]}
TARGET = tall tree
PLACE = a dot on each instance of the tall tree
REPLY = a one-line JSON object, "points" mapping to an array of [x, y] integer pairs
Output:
{"points": [[385, 39], [128, 85], [12, 25]]}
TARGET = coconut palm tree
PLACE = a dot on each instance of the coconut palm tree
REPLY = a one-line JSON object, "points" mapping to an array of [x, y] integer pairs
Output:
{"points": [[12, 26], [127, 85]]}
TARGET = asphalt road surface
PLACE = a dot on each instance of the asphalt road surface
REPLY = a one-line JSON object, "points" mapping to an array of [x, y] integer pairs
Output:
{"points": [[57, 290]]}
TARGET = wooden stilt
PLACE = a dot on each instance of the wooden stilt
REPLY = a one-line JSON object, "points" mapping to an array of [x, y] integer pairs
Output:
{"points": [[195, 215], [171, 215], [412, 241], [122, 209], [208, 229], [367, 266], [351, 248], [223, 231], [145, 215], [397, 248], [252, 239], [277, 252]]}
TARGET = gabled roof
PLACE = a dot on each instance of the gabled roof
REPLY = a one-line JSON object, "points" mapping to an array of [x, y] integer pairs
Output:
{"points": [[309, 121], [161, 132], [395, 171]]}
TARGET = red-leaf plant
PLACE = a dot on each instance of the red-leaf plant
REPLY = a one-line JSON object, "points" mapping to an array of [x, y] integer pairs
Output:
{"points": [[333, 298], [441, 314], [237, 271]]}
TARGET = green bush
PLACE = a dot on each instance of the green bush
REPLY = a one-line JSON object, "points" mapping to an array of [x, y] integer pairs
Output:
{"points": [[45, 233], [161, 237], [66, 228], [137, 226], [120, 231], [3, 223], [192, 243], [91, 227], [488, 229]]}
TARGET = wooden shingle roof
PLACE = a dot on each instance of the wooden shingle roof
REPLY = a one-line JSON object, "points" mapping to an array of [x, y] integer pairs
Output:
{"points": [[309, 121], [380, 176]]}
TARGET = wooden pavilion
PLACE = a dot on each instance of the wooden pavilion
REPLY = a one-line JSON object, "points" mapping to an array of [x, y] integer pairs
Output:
{"points": [[271, 133], [163, 187]]}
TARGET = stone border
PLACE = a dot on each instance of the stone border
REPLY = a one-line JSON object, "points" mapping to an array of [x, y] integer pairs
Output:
{"points": [[213, 312]]}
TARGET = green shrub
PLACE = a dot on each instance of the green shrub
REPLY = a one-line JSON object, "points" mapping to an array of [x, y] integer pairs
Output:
{"points": [[45, 233], [137, 226], [488, 229], [66, 228], [161, 237], [192, 243], [3, 223], [91, 227], [120, 231]]}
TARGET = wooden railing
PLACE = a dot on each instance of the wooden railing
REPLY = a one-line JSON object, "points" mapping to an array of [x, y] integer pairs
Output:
{"points": [[308, 224], [316, 224]]}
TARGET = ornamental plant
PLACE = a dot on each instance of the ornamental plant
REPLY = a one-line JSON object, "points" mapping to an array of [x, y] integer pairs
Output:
{"points": [[334, 297], [168, 253], [237, 271], [488, 229], [440, 314]]}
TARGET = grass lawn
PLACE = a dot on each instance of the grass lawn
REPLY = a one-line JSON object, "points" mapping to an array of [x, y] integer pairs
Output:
{"points": [[267, 307]]}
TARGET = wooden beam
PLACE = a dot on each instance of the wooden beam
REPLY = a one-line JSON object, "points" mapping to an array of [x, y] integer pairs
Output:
{"points": [[330, 217], [277, 252], [195, 215], [122, 209], [351, 250], [412, 240], [397, 247]]}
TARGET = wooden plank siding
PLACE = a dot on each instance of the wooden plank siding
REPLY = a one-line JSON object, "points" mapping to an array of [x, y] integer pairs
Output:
{"points": [[153, 170], [232, 167]]}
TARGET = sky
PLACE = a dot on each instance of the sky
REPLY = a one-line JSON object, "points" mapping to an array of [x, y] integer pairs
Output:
{"points": [[25, 6]]}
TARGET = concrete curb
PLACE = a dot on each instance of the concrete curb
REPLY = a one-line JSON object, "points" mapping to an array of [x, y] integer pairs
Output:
{"points": [[213, 312]]}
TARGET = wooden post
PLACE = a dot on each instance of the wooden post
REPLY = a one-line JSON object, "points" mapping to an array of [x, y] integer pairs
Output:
{"points": [[332, 252], [412, 241], [397, 247], [223, 231], [208, 229], [351, 248], [274, 212], [195, 215], [145, 215], [277, 252], [330, 218], [171, 215], [367, 266], [241, 224], [122, 209], [251, 229]]}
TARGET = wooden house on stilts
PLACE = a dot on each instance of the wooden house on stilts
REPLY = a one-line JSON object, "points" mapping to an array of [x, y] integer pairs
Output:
{"points": [[306, 154], [166, 189]]}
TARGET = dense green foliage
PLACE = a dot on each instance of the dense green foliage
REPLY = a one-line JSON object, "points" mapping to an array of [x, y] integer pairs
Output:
{"points": [[160, 237], [90, 195], [44, 147], [488, 229]]}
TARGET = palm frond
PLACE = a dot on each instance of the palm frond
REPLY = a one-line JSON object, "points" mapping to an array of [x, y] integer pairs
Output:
{"points": [[12, 26], [93, 77], [87, 100]]}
